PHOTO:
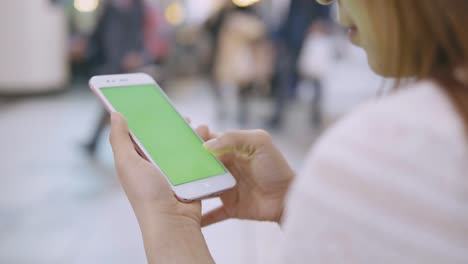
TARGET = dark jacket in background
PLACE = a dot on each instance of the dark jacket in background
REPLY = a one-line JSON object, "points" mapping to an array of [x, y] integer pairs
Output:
{"points": [[118, 32], [301, 14]]}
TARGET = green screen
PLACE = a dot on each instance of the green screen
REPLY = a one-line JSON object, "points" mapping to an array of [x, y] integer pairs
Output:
{"points": [[165, 135]]}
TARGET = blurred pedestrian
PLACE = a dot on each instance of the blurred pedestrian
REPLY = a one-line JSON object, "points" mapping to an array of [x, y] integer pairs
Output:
{"points": [[117, 45], [214, 26], [242, 56], [315, 61], [289, 42]]}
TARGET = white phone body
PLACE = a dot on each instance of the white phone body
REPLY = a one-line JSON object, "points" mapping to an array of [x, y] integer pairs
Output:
{"points": [[192, 191]]}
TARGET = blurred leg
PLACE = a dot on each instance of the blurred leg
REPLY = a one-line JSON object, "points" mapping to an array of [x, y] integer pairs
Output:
{"points": [[220, 108], [316, 113], [284, 74], [244, 93], [294, 75], [91, 146]]}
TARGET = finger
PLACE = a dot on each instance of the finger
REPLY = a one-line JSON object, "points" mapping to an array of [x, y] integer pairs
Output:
{"points": [[227, 159], [214, 135], [122, 145], [215, 216], [238, 141], [188, 120], [203, 132]]}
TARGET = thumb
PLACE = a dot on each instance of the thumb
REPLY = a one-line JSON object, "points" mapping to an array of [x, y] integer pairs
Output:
{"points": [[122, 144], [217, 215], [238, 141]]}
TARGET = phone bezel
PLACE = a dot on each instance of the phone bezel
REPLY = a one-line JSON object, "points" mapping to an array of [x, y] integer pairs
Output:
{"points": [[192, 191]]}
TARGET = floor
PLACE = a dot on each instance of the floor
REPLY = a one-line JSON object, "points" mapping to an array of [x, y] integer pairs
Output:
{"points": [[57, 205]]}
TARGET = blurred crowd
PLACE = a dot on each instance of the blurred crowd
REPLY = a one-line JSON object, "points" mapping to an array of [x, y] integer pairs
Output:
{"points": [[245, 48]]}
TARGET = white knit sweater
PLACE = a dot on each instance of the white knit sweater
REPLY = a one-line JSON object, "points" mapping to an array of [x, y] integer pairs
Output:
{"points": [[388, 184]]}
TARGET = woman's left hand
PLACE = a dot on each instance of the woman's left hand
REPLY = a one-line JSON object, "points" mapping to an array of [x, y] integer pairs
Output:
{"points": [[146, 187], [171, 229]]}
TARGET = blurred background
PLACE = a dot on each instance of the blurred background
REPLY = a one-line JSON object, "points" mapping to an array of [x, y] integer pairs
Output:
{"points": [[280, 65]]}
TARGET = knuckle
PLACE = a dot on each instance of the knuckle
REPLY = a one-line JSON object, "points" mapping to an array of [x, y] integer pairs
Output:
{"points": [[262, 136], [226, 139], [222, 139], [202, 129], [228, 136]]}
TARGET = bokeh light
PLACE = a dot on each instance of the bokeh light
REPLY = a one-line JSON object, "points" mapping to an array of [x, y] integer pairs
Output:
{"points": [[245, 3], [86, 6], [175, 14]]}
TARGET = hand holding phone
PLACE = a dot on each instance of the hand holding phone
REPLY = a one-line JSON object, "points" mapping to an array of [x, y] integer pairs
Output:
{"points": [[165, 222], [162, 136], [143, 183]]}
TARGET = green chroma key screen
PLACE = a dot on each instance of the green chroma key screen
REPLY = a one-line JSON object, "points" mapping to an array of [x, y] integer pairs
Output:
{"points": [[165, 135]]}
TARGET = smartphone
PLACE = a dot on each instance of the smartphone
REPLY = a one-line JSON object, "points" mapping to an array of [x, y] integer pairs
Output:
{"points": [[162, 136]]}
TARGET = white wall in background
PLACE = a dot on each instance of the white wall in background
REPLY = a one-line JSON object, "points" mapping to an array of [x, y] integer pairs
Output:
{"points": [[33, 46]]}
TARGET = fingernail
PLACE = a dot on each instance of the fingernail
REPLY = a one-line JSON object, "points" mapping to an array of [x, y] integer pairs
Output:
{"points": [[211, 144]]}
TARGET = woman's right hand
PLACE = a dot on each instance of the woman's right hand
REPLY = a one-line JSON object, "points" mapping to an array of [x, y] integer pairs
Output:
{"points": [[263, 176]]}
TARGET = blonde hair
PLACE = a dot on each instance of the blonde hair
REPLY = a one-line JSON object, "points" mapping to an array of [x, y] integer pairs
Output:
{"points": [[428, 39]]}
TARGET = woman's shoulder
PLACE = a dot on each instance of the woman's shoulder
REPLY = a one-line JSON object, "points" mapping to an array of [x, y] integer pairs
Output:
{"points": [[390, 178], [415, 132], [413, 113]]}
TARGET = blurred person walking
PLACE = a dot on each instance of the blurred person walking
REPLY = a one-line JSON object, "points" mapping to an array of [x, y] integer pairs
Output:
{"points": [[242, 59], [117, 45], [315, 60], [214, 26], [289, 41], [387, 184]]}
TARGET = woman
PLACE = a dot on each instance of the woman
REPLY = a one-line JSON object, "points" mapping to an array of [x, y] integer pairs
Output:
{"points": [[388, 184], [242, 58]]}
